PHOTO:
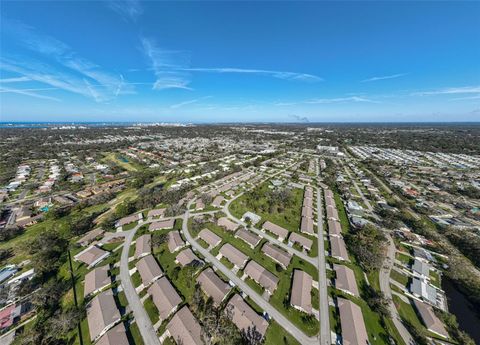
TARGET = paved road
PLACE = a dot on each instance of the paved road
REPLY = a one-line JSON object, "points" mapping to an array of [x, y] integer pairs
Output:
{"points": [[325, 337], [385, 288], [143, 320], [273, 313]]}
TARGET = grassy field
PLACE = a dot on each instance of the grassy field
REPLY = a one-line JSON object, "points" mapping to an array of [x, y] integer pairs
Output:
{"points": [[401, 278], [117, 159], [282, 295], [288, 218], [20, 244]]}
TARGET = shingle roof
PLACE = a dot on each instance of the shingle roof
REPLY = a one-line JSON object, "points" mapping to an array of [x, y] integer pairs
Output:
{"points": [[186, 257], [148, 269], [184, 328], [233, 255], [279, 255], [276, 229], [164, 296], [353, 326], [162, 224], [96, 279], [175, 241], [143, 245], [249, 237], [301, 291], [244, 317], [115, 336], [430, 320], [213, 286], [102, 313], [210, 237], [227, 224], [306, 243], [262, 276], [345, 279], [338, 248]]}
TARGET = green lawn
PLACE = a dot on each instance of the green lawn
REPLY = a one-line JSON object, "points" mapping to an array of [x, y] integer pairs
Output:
{"points": [[288, 218], [276, 335], [135, 336], [399, 277], [281, 298], [151, 310]]}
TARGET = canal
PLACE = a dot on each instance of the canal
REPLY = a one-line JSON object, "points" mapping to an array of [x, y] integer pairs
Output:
{"points": [[467, 316]]}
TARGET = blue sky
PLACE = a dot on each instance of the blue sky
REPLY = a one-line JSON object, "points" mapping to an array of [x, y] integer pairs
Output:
{"points": [[239, 61]]}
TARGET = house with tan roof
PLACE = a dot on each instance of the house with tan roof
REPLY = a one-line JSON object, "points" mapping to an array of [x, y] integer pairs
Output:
{"points": [[96, 280], [352, 323], [210, 237], [304, 242], [184, 328], [430, 320], [262, 276], [306, 225], [148, 269], [307, 212], [281, 232], [334, 227], [345, 280], [102, 314], [187, 257], [301, 297], [338, 249], [162, 224], [91, 256], [217, 202], [213, 286], [159, 212], [129, 219], [90, 236], [143, 246], [249, 237], [332, 212], [236, 257], [115, 336], [227, 224], [175, 241], [244, 317], [277, 254], [165, 297]]}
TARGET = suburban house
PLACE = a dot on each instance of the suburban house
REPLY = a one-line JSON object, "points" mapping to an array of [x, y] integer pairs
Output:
{"points": [[210, 237], [282, 233], [300, 297], [262, 276], [148, 269], [184, 328], [162, 224], [249, 237], [302, 241], [102, 314], [91, 256], [96, 280], [165, 297], [213, 286], [236, 257], [244, 317], [175, 241], [186, 257], [277, 254], [352, 323], [143, 246], [345, 280]]}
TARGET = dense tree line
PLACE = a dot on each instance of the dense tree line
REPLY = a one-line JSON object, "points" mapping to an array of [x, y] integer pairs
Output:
{"points": [[368, 245]]}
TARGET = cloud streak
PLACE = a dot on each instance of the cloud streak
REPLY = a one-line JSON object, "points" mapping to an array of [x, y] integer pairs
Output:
{"points": [[59, 66], [275, 74], [449, 91], [14, 80], [129, 10], [168, 66], [30, 92], [385, 77], [192, 101]]}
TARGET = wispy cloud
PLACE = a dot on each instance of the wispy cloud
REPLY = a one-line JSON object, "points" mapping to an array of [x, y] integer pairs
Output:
{"points": [[275, 74], [192, 101], [59, 66], [384, 77], [30, 92], [466, 98], [449, 91], [351, 99], [127, 9], [14, 80], [168, 65]]}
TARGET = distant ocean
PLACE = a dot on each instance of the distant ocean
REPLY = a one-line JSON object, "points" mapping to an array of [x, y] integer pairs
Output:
{"points": [[59, 124]]}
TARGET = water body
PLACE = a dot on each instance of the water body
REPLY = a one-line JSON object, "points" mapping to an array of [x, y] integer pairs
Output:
{"points": [[467, 316]]}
